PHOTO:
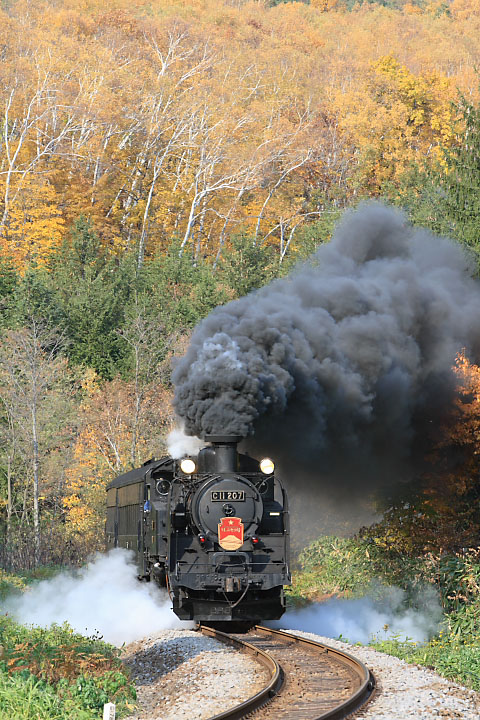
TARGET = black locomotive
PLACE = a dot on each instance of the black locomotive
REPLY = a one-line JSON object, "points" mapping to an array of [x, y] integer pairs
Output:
{"points": [[213, 529]]}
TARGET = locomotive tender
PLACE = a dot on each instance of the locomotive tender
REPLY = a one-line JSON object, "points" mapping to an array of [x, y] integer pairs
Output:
{"points": [[213, 529]]}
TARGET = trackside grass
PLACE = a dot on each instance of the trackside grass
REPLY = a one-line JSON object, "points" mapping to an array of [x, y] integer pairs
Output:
{"points": [[53, 673], [455, 659]]}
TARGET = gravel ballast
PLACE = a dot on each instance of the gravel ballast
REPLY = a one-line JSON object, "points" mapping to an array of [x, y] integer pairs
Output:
{"points": [[408, 691], [183, 674]]}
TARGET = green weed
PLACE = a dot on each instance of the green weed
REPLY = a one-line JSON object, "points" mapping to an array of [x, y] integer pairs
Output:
{"points": [[454, 658], [351, 567], [25, 697], [73, 675]]}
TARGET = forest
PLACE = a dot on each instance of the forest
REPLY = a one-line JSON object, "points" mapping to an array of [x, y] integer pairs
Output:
{"points": [[158, 160]]}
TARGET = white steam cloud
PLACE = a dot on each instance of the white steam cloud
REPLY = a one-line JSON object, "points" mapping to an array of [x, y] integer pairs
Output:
{"points": [[104, 597], [362, 619], [180, 444]]}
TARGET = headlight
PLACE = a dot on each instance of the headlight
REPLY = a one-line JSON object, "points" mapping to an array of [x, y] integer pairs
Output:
{"points": [[187, 466], [267, 466]]}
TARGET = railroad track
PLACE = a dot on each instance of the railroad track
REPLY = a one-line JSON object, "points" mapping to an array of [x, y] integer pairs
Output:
{"points": [[308, 680]]}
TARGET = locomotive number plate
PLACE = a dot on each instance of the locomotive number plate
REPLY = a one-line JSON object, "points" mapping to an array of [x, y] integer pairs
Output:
{"points": [[222, 495]]}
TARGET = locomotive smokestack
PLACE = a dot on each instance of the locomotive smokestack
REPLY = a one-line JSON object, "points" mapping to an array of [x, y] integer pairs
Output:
{"points": [[221, 456]]}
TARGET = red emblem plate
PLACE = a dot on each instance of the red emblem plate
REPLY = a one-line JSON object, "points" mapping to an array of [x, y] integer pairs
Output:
{"points": [[230, 533]]}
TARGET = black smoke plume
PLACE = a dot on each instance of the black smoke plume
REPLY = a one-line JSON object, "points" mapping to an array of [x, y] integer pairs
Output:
{"points": [[337, 366]]}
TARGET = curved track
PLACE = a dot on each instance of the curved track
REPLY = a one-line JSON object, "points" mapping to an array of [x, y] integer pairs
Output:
{"points": [[308, 680]]}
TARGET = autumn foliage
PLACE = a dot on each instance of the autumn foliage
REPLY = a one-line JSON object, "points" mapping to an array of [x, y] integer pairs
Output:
{"points": [[441, 510], [103, 449], [202, 119], [453, 490]]}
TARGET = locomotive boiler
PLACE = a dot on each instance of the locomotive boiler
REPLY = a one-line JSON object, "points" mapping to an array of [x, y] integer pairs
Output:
{"points": [[212, 528]]}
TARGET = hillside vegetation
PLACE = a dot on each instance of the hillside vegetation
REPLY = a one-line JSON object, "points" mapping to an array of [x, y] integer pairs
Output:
{"points": [[200, 120], [158, 160]]}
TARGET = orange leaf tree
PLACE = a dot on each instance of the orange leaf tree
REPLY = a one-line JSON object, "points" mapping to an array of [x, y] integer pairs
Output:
{"points": [[442, 513]]}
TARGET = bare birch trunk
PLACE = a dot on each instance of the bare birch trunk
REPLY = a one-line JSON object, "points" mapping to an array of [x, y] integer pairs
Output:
{"points": [[36, 468]]}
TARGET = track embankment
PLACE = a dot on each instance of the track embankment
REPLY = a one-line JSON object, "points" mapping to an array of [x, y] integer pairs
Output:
{"points": [[183, 675]]}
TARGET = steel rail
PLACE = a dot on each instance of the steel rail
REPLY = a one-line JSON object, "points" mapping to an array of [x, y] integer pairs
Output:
{"points": [[263, 696], [365, 676], [364, 692]]}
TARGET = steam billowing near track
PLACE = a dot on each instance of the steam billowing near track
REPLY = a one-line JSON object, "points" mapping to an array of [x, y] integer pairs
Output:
{"points": [[339, 366]]}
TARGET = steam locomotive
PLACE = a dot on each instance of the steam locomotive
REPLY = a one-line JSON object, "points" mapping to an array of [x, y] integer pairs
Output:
{"points": [[213, 529]]}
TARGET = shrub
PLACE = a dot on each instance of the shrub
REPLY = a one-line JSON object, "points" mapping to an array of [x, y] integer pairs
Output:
{"points": [[10, 584], [351, 567], [458, 576]]}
